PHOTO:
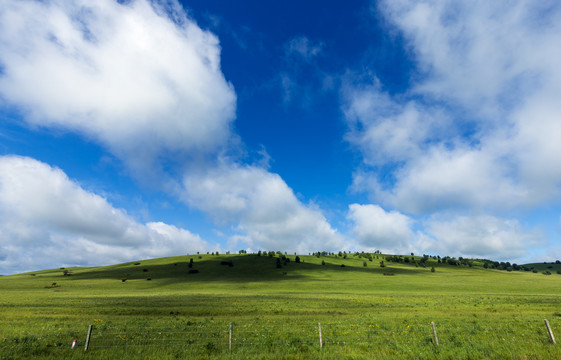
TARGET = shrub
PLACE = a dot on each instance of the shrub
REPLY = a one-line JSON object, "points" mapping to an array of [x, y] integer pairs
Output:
{"points": [[382, 264], [323, 262], [546, 272], [148, 278], [145, 270], [432, 269], [364, 264], [297, 259]]}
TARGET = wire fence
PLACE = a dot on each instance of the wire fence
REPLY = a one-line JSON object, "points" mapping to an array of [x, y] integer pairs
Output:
{"points": [[303, 336], [249, 334]]}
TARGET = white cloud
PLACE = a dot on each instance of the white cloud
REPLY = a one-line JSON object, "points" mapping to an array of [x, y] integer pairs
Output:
{"points": [[478, 127], [443, 179], [143, 80], [268, 214], [476, 132], [386, 130], [479, 236], [140, 77], [48, 220], [480, 53], [375, 228]]}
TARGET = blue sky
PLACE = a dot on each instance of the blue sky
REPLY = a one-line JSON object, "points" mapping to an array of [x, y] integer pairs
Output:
{"points": [[139, 129]]}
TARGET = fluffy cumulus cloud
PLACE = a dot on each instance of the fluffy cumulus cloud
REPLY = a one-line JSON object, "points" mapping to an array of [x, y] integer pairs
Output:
{"points": [[476, 129], [477, 236], [375, 228], [487, 53], [482, 133], [144, 81], [46, 219], [268, 214], [140, 77]]}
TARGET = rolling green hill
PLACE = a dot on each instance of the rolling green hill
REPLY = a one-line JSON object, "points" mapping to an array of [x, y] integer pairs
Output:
{"points": [[165, 308]]}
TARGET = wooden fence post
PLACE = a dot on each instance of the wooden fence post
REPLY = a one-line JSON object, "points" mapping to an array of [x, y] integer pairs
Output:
{"points": [[550, 333], [88, 338], [230, 338], [434, 337], [320, 340]]}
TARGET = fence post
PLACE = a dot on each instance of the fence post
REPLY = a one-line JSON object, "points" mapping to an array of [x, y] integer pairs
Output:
{"points": [[230, 338], [88, 338], [550, 333], [320, 341], [434, 337]]}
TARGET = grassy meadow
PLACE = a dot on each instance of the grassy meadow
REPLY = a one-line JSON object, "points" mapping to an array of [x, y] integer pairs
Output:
{"points": [[156, 309]]}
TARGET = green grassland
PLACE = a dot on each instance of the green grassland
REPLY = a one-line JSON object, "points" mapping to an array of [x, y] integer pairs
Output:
{"points": [[365, 312]]}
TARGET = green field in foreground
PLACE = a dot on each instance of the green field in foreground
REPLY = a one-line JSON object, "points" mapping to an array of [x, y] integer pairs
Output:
{"points": [[365, 312]]}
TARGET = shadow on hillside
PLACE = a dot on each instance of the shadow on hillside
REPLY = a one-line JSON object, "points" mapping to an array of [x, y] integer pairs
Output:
{"points": [[246, 268]]}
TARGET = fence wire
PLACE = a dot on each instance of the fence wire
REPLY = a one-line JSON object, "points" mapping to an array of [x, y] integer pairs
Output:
{"points": [[261, 334]]}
